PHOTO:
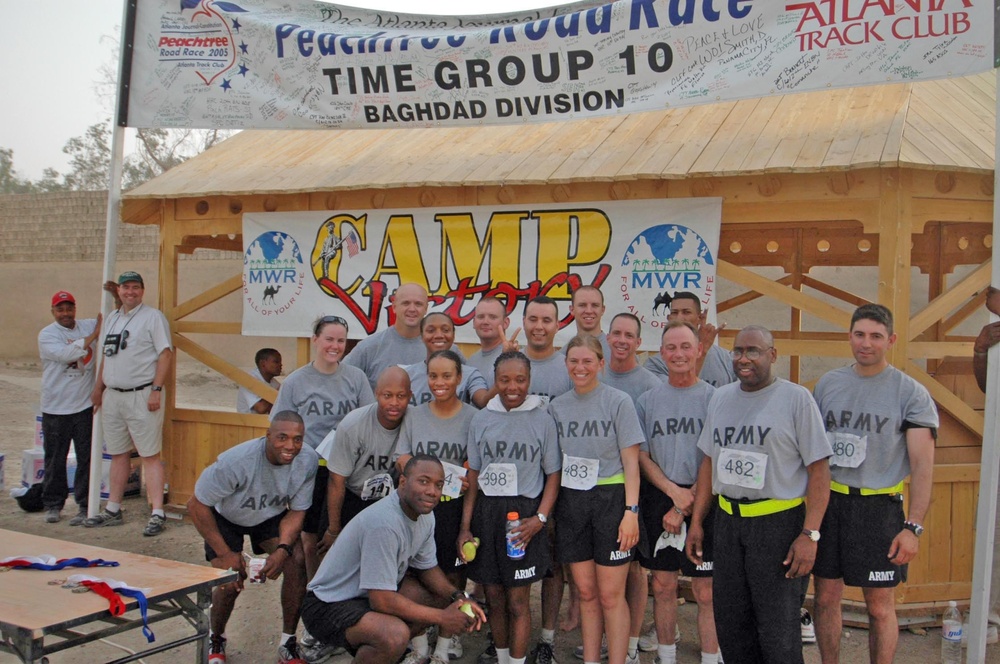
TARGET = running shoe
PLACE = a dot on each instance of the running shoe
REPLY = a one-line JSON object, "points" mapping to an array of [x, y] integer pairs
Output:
{"points": [[543, 653], [289, 653], [455, 650], [105, 518], [808, 629], [52, 515], [314, 651], [79, 519], [216, 649], [155, 525]]}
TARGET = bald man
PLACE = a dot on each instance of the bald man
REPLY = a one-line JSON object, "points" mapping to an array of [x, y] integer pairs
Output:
{"points": [[399, 344]]}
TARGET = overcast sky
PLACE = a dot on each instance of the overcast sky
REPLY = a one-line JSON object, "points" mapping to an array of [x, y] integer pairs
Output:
{"points": [[51, 52]]}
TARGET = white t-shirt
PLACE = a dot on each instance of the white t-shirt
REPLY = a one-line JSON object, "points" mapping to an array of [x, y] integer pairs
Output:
{"points": [[67, 367], [148, 336], [246, 400]]}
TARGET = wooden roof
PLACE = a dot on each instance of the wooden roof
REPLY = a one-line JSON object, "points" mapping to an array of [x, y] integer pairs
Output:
{"points": [[946, 124]]}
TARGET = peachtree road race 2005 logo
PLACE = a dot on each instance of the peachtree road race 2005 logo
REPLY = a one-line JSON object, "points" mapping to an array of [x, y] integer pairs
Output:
{"points": [[661, 261], [273, 273], [201, 38]]}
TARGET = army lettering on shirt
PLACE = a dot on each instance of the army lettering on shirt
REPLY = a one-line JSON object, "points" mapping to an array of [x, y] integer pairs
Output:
{"points": [[526, 439], [597, 426], [323, 400], [247, 489], [761, 442], [425, 433], [672, 419], [361, 449], [866, 418]]}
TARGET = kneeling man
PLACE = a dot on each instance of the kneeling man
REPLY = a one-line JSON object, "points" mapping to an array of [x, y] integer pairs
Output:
{"points": [[261, 488], [362, 597]]}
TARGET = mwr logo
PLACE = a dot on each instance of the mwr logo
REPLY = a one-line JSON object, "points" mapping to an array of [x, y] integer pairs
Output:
{"points": [[520, 574], [661, 261], [882, 576], [272, 273], [620, 555], [199, 38]]}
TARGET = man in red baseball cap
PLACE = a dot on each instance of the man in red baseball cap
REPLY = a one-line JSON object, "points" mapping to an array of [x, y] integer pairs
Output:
{"points": [[67, 349]]}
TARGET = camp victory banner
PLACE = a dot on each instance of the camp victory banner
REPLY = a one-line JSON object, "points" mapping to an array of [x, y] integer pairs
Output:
{"points": [[303, 65], [299, 266]]}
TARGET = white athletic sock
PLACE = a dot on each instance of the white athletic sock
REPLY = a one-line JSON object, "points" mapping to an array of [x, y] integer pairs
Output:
{"points": [[548, 636], [633, 645], [285, 637], [420, 645], [503, 656], [114, 508], [442, 647], [519, 660], [668, 654], [160, 513], [709, 658]]}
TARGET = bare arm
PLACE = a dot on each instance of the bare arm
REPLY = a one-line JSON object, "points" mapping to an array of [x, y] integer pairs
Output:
{"points": [[920, 448], [162, 367], [802, 553], [988, 337], [683, 498], [335, 488], [702, 503]]}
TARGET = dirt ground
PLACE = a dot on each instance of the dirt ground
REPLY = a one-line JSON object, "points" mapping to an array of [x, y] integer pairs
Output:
{"points": [[254, 629]]}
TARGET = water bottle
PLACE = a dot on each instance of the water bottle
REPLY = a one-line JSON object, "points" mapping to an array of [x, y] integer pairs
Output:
{"points": [[951, 635], [514, 551]]}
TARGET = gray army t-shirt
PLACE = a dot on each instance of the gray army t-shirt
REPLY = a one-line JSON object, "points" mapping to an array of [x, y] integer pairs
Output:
{"points": [[597, 425], [633, 383], [484, 362], [472, 381], [385, 349], [374, 551], [717, 370], [672, 419], [549, 377], [247, 489], [361, 449], [323, 400], [865, 418], [525, 438], [780, 422], [425, 433]]}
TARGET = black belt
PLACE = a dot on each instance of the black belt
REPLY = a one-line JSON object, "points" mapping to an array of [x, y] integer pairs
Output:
{"points": [[132, 389]]}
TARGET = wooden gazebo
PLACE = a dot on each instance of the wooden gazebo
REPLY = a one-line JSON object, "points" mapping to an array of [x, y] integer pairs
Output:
{"points": [[895, 182]]}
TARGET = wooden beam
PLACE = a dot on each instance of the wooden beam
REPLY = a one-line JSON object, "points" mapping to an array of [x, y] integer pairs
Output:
{"points": [[937, 308], [216, 292], [947, 399], [812, 347], [827, 289], [782, 293], [208, 327], [221, 417], [895, 231], [959, 317], [921, 350], [865, 211], [221, 243], [235, 374], [747, 297]]}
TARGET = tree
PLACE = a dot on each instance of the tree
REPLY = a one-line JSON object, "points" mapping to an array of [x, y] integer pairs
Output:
{"points": [[10, 181]]}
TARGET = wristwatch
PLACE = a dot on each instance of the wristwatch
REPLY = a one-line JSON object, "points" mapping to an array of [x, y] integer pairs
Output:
{"points": [[157, 388], [632, 508], [460, 594], [286, 548], [542, 518], [914, 528], [813, 535]]}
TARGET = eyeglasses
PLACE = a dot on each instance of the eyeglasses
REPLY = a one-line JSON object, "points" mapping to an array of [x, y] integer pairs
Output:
{"points": [[327, 320], [750, 353]]}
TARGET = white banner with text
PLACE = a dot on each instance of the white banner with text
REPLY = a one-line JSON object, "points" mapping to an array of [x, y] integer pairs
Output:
{"points": [[299, 266], [304, 64]]}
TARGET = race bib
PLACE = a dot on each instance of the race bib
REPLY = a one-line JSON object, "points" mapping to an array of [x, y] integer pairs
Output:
{"points": [[579, 473], [739, 468], [452, 480], [377, 487], [849, 450], [499, 479]]}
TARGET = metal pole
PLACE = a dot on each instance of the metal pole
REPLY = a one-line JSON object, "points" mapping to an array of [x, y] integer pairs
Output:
{"points": [[989, 473], [111, 228]]}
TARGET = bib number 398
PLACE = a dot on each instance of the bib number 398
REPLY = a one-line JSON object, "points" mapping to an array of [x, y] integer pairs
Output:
{"points": [[745, 469], [499, 479], [579, 473]]}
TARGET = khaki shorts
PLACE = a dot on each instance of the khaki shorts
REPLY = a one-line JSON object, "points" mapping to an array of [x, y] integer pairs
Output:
{"points": [[128, 423]]}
